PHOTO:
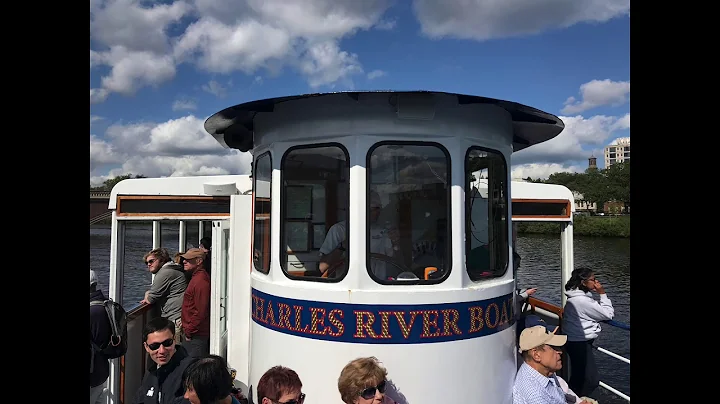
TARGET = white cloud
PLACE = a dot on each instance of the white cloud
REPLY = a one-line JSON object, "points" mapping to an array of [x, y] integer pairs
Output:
{"points": [[184, 105], [133, 69], [143, 43], [489, 19], [215, 88], [597, 93], [375, 74], [178, 147], [324, 64], [570, 145], [95, 118]]}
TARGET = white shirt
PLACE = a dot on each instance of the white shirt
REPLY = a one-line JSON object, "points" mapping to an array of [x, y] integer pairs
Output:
{"points": [[380, 243]]}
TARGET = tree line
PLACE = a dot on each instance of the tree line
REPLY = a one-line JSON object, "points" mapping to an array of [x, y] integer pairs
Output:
{"points": [[108, 185], [597, 186]]}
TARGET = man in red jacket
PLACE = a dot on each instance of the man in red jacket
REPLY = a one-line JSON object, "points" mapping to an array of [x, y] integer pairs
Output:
{"points": [[196, 304]]}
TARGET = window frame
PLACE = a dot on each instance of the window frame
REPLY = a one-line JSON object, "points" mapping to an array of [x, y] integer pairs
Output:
{"points": [[254, 214], [283, 196], [508, 218], [448, 235]]}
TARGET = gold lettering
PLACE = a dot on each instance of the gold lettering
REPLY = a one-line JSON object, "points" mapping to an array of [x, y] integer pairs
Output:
{"points": [[384, 324], [362, 325], [298, 319], [404, 327], [450, 319], [494, 306], [427, 322], [336, 322], [284, 316], [270, 314], [476, 318], [504, 316], [317, 316], [259, 308]]}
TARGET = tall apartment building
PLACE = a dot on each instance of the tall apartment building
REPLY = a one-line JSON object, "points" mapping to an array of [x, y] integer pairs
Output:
{"points": [[617, 151]]}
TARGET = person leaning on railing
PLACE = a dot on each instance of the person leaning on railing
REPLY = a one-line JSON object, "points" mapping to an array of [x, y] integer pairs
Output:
{"points": [[581, 323]]}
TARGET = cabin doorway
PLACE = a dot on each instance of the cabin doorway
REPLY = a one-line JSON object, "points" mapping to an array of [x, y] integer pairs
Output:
{"points": [[220, 259]]}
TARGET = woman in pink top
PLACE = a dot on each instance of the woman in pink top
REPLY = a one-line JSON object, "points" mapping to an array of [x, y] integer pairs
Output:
{"points": [[363, 381]]}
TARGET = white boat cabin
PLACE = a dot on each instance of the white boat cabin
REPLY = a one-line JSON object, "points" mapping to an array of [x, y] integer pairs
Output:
{"points": [[373, 224]]}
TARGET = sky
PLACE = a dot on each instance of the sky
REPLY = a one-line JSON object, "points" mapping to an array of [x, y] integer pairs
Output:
{"points": [[158, 69]]}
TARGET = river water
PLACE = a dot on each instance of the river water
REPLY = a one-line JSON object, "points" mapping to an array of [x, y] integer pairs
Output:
{"points": [[609, 257]]}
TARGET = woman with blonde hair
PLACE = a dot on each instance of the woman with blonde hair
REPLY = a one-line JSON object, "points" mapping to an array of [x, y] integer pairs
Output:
{"points": [[363, 381]]}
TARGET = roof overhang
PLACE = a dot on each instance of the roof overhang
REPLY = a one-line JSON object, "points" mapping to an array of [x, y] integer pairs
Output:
{"points": [[233, 127]]}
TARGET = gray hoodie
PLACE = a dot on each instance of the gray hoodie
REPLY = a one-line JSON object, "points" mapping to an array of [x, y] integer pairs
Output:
{"points": [[168, 290], [582, 315]]}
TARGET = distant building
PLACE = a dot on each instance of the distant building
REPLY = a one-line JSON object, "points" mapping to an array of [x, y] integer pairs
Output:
{"points": [[617, 152], [592, 162]]}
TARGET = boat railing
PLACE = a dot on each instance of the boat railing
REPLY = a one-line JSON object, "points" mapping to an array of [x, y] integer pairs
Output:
{"points": [[554, 313], [134, 362]]}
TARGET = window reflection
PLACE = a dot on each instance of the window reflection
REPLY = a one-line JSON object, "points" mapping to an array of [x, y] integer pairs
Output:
{"points": [[486, 214], [408, 199]]}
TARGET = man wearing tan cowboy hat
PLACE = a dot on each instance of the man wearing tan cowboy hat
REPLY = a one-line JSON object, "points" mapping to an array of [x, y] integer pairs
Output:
{"points": [[536, 381], [196, 304]]}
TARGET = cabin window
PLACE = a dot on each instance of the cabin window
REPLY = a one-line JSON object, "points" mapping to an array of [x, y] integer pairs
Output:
{"points": [[314, 208], [486, 213], [408, 202], [262, 189]]}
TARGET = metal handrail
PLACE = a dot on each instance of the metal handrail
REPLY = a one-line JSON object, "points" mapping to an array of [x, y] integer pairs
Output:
{"points": [[616, 356]]}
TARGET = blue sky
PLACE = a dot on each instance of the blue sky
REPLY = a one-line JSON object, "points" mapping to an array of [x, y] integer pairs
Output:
{"points": [[159, 68]]}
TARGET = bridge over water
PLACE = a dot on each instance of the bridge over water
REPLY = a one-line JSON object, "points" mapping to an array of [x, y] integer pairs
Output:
{"points": [[99, 211]]}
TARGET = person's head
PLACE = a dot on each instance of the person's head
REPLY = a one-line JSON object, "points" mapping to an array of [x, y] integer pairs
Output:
{"points": [[156, 258], [205, 244], [159, 340], [207, 380], [93, 281], [375, 205], [581, 278], [193, 259], [363, 381], [541, 347], [280, 385], [178, 258]]}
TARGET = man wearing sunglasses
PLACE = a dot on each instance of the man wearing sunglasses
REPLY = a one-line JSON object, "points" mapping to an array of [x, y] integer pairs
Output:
{"points": [[168, 287], [536, 381], [163, 383]]}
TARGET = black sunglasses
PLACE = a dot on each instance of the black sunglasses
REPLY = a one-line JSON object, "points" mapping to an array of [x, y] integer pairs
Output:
{"points": [[369, 392], [300, 400], [156, 345]]}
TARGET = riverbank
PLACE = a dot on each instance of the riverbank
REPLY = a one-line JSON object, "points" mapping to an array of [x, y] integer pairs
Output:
{"points": [[597, 226]]}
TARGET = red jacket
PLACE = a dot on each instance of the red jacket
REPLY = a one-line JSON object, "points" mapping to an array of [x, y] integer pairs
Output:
{"points": [[196, 305]]}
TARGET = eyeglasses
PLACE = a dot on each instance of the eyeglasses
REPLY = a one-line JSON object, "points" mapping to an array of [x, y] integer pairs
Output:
{"points": [[150, 262], [369, 392], [156, 345], [300, 400]]}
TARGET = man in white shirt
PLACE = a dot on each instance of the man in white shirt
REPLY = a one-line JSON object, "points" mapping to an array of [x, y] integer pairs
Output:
{"points": [[334, 249], [536, 381]]}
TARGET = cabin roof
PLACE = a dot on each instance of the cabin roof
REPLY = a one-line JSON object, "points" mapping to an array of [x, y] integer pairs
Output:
{"points": [[233, 126], [171, 186], [533, 190]]}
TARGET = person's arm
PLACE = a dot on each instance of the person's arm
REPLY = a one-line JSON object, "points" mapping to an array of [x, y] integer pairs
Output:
{"points": [[159, 288], [329, 248], [603, 310]]}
